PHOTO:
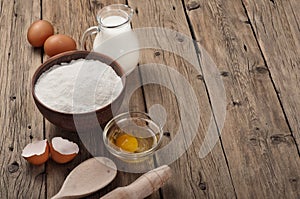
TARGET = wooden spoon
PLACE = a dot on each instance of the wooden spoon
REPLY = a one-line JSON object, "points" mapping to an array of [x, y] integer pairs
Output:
{"points": [[88, 177]]}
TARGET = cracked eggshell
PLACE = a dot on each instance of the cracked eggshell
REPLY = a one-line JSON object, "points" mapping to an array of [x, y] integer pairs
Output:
{"points": [[37, 152], [63, 150]]}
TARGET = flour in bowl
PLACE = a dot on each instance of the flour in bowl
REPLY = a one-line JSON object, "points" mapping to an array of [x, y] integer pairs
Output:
{"points": [[79, 86]]}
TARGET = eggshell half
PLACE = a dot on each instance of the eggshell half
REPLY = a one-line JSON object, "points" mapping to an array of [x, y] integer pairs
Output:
{"points": [[37, 152], [63, 150]]}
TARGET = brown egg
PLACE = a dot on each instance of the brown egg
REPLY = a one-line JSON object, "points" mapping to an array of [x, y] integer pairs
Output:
{"points": [[59, 43], [38, 32]]}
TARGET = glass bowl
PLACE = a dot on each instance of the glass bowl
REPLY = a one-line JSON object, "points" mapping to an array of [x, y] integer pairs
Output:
{"points": [[132, 136]]}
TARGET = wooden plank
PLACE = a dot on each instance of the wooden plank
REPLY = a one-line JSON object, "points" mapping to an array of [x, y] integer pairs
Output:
{"points": [[277, 25], [78, 16], [65, 21], [20, 121], [259, 146], [192, 177]]}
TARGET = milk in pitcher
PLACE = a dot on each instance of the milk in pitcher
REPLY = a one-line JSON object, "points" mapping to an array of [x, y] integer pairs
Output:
{"points": [[119, 42]]}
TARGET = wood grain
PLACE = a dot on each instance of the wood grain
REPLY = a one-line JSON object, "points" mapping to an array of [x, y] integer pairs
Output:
{"points": [[192, 177], [255, 45], [277, 30], [261, 152], [20, 121]]}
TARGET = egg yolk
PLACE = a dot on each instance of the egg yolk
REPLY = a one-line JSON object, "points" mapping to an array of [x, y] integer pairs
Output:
{"points": [[127, 143]]}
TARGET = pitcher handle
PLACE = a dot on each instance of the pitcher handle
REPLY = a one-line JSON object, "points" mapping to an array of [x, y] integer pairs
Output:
{"points": [[90, 31]]}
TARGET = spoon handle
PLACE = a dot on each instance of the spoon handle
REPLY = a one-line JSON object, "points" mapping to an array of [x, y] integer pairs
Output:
{"points": [[143, 186]]}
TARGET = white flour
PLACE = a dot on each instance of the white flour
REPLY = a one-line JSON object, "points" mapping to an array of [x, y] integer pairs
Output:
{"points": [[79, 86]]}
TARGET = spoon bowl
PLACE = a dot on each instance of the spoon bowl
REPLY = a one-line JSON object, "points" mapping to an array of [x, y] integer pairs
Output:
{"points": [[88, 177]]}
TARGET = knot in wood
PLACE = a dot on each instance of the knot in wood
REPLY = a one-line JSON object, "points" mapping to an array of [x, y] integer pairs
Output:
{"points": [[157, 53], [168, 134], [202, 186], [10, 148], [200, 77], [277, 139], [192, 5], [98, 3], [254, 141], [293, 180], [236, 103], [261, 69], [224, 73], [180, 38], [12, 98], [13, 167]]}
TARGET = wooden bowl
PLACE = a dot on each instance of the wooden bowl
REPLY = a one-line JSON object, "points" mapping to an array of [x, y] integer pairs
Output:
{"points": [[84, 120]]}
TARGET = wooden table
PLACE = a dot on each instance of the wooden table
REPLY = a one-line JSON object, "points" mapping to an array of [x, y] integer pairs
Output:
{"points": [[256, 47]]}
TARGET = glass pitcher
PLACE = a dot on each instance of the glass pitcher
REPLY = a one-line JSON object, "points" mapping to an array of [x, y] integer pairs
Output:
{"points": [[115, 37]]}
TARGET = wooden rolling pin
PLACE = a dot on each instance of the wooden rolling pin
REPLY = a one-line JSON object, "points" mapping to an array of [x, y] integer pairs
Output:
{"points": [[143, 186]]}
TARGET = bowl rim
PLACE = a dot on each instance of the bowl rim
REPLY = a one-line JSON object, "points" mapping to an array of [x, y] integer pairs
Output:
{"points": [[126, 155], [35, 78]]}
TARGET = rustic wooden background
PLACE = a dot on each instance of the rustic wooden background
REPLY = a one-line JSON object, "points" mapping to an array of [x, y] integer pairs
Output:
{"points": [[256, 46]]}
